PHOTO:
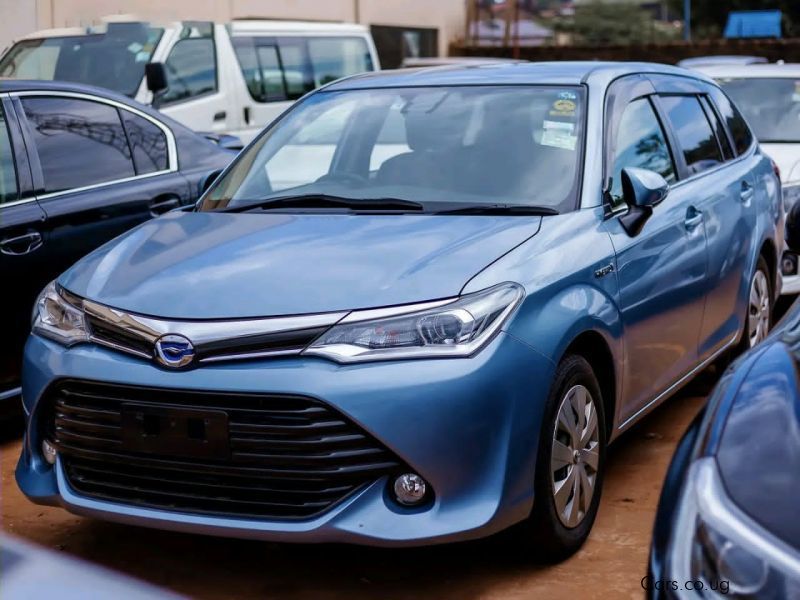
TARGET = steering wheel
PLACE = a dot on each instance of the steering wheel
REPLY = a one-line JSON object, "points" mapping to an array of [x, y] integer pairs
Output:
{"points": [[351, 178]]}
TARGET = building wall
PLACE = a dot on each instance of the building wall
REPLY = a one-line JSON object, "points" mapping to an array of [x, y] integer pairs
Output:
{"points": [[19, 17]]}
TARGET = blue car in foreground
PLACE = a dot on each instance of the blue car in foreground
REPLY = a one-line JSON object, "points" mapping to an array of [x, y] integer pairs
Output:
{"points": [[727, 520], [415, 310]]}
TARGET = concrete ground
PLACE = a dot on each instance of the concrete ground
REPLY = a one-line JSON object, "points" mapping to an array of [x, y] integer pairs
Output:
{"points": [[611, 564]]}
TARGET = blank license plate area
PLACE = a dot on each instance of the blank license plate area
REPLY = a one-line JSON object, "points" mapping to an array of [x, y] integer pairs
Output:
{"points": [[188, 432]]}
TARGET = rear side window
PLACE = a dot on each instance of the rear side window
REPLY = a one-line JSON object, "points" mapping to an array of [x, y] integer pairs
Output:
{"points": [[334, 58], [640, 143], [147, 142], [9, 192], [191, 65], [694, 133], [261, 68], [79, 142], [740, 132]]}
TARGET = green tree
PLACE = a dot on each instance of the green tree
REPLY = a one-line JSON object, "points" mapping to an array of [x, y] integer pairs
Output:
{"points": [[615, 23]]}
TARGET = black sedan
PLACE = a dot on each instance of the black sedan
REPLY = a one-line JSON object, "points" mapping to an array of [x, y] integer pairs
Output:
{"points": [[79, 166], [728, 521]]}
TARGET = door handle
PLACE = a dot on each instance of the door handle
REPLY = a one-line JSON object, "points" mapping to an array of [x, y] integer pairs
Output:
{"points": [[159, 207], [220, 116], [693, 218], [247, 115], [746, 192], [21, 244]]}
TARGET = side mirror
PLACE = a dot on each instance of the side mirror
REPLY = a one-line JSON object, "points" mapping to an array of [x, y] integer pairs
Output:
{"points": [[642, 190], [155, 75], [792, 237]]}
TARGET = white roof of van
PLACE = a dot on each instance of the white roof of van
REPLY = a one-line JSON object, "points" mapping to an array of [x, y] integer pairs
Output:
{"points": [[255, 26]]}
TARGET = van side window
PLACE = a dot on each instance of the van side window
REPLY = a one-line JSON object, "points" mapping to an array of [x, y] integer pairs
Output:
{"points": [[79, 142], [9, 192], [640, 143], [334, 58], [148, 143], [287, 67], [740, 132], [694, 133], [191, 65]]}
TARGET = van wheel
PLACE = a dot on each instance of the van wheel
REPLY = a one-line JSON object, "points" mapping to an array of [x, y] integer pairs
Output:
{"points": [[570, 465]]}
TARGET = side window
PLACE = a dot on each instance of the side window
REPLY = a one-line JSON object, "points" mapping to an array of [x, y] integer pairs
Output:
{"points": [[148, 143], [334, 58], [719, 130], [261, 69], [295, 67], [695, 137], [740, 132], [191, 65], [79, 142], [640, 143], [9, 192]]}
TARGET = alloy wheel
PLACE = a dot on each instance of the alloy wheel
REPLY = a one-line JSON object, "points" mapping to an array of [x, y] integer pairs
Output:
{"points": [[758, 311], [575, 456]]}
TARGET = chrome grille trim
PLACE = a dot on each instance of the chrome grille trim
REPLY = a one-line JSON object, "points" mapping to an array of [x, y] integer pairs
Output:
{"points": [[215, 341]]}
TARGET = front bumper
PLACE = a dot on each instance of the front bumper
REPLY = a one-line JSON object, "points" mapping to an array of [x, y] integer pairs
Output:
{"points": [[469, 426]]}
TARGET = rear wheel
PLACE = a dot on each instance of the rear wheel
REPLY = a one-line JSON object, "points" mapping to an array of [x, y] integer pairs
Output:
{"points": [[570, 464]]}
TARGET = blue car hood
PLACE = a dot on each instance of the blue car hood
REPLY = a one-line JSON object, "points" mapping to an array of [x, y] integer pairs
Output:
{"points": [[212, 266]]}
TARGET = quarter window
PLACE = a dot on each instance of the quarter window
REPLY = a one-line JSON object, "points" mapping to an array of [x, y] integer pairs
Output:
{"points": [[640, 143], [79, 142], [147, 142], [719, 130], [9, 191], [191, 65], [695, 137]]}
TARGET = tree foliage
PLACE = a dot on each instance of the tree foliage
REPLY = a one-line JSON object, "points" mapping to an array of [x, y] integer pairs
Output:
{"points": [[617, 23]]}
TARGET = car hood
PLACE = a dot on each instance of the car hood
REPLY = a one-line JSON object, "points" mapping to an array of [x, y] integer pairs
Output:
{"points": [[227, 265]]}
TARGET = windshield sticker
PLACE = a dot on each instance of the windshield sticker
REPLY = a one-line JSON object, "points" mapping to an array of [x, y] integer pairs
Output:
{"points": [[559, 135], [563, 108], [566, 95]]}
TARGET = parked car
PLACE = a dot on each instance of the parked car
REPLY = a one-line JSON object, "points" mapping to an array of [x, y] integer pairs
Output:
{"points": [[233, 78], [358, 339], [32, 572], [727, 519], [78, 166], [769, 96]]}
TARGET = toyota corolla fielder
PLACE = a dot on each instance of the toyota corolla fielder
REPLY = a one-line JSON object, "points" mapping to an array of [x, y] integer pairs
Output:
{"points": [[415, 310]]}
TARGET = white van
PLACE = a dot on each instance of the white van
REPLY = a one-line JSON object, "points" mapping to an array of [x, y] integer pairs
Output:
{"points": [[233, 78]]}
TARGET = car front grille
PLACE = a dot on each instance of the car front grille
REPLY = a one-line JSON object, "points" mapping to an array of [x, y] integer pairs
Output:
{"points": [[282, 457]]}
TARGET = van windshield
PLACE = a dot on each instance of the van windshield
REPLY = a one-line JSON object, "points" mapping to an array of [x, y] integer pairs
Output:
{"points": [[114, 59], [770, 105], [459, 145]]}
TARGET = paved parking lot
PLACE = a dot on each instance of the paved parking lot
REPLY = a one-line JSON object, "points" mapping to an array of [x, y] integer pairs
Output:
{"points": [[611, 564]]}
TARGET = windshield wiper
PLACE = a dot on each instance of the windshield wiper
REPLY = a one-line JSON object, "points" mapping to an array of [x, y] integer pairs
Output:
{"points": [[327, 201], [500, 209]]}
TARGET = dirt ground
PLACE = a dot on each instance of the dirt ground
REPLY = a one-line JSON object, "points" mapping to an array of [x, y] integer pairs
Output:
{"points": [[611, 564]]}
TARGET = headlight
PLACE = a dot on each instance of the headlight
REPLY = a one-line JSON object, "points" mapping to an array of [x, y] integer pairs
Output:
{"points": [[452, 329], [57, 319], [717, 545], [791, 194]]}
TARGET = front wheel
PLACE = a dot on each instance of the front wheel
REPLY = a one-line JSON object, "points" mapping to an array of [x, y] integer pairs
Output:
{"points": [[570, 465]]}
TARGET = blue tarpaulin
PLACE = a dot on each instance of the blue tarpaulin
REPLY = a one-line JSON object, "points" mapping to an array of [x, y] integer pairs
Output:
{"points": [[754, 24]]}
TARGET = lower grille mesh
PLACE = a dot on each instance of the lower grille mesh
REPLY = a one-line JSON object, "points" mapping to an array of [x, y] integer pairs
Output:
{"points": [[288, 457]]}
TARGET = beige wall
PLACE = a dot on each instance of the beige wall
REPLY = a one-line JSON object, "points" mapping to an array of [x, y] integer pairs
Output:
{"points": [[18, 17]]}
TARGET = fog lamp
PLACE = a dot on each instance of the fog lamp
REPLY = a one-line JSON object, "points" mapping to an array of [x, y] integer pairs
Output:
{"points": [[410, 489], [49, 452]]}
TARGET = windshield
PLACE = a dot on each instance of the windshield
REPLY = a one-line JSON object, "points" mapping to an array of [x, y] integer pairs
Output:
{"points": [[114, 60], [770, 105], [466, 145]]}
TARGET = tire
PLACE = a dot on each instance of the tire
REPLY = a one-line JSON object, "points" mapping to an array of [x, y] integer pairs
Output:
{"points": [[760, 285], [553, 532]]}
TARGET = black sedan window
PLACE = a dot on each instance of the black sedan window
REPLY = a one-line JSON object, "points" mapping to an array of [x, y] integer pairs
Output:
{"points": [[8, 175]]}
